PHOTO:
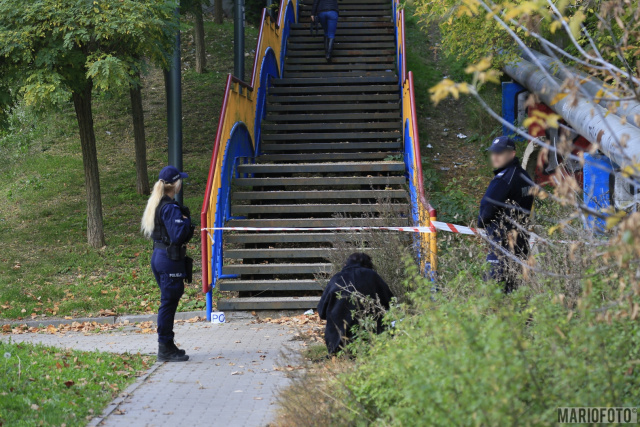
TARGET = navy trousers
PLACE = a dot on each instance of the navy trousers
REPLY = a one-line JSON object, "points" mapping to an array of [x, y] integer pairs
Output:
{"points": [[170, 277], [503, 270]]}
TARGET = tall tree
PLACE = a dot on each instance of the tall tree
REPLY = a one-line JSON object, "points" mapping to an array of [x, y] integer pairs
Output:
{"points": [[198, 28], [218, 12], [65, 50], [140, 140], [195, 8]]}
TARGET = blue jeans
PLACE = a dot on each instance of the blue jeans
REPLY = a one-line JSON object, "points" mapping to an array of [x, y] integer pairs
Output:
{"points": [[329, 21]]}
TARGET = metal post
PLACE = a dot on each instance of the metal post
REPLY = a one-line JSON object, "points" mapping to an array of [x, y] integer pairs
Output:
{"points": [[238, 39], [174, 107], [269, 9]]}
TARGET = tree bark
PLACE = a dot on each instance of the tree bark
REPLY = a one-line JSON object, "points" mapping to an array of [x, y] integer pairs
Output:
{"points": [[140, 142], [84, 115], [201, 53], [219, 13]]}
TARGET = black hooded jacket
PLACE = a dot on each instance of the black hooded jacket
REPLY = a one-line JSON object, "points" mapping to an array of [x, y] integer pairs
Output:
{"points": [[337, 306], [510, 187]]}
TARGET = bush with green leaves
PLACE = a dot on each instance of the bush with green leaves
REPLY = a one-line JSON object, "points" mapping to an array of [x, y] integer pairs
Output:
{"points": [[471, 355], [494, 360]]}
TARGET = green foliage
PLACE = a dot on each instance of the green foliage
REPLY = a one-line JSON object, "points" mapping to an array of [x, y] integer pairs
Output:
{"points": [[454, 203], [493, 360], [50, 49], [41, 223], [50, 386]]}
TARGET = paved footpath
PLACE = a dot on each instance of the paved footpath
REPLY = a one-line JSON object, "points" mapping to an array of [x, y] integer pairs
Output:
{"points": [[230, 380]]}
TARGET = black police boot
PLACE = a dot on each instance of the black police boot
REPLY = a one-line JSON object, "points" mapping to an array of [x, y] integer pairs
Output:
{"points": [[329, 49], [167, 354], [175, 347]]}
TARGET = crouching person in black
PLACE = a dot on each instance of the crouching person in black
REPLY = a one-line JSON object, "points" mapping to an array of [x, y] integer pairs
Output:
{"points": [[339, 306], [168, 224]]}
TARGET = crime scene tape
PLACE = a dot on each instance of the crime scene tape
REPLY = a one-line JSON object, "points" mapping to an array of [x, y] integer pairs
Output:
{"points": [[435, 225]]}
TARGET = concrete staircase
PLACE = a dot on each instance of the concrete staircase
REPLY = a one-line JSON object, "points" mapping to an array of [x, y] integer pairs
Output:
{"points": [[331, 152]]}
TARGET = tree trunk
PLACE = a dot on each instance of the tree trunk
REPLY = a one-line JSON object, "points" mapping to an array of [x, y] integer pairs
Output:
{"points": [[84, 115], [201, 53], [137, 114], [219, 13]]}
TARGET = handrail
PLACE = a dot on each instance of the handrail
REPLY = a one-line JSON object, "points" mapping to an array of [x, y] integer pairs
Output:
{"points": [[242, 83], [206, 202], [416, 149], [404, 56], [244, 110], [425, 212]]}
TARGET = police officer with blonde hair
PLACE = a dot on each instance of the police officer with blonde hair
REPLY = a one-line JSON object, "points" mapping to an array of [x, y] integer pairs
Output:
{"points": [[168, 224]]}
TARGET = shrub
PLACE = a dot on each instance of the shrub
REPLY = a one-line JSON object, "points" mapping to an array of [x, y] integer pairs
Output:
{"points": [[470, 355]]}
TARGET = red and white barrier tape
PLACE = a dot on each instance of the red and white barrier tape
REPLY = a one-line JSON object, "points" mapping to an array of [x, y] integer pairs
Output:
{"points": [[435, 225]]}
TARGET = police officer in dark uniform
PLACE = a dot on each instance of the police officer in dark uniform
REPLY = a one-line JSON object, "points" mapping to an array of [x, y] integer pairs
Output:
{"points": [[508, 196], [168, 224]]}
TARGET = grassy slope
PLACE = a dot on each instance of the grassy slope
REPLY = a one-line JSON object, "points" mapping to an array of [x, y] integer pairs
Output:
{"points": [[47, 386], [454, 192], [46, 268]]}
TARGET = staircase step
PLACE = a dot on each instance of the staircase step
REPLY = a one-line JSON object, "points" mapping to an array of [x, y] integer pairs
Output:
{"points": [[318, 54], [268, 128], [274, 238], [309, 3], [359, 13], [307, 118], [318, 222], [337, 46], [319, 194], [353, 73], [313, 90], [361, 7], [321, 157], [316, 208], [268, 303], [321, 67], [347, 81], [277, 253], [268, 285], [313, 268], [331, 137], [346, 98], [332, 146], [321, 181], [305, 37], [385, 60], [322, 167], [361, 24], [360, 106]]}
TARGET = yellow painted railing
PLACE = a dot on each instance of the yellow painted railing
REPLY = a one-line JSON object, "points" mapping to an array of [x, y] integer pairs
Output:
{"points": [[423, 212], [240, 117]]}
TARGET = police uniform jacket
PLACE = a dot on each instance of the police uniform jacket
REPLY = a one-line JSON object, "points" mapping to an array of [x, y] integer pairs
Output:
{"points": [[507, 195]]}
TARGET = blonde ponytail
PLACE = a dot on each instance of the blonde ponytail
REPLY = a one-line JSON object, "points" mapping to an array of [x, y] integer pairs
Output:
{"points": [[149, 216], [160, 188]]}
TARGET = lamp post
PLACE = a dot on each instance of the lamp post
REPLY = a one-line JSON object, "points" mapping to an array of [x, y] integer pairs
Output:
{"points": [[173, 89], [238, 40]]}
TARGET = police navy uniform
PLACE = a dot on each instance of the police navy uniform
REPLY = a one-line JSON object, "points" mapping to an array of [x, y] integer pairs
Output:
{"points": [[507, 195], [171, 233]]}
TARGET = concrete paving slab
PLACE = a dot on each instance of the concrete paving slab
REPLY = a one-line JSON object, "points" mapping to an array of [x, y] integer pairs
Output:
{"points": [[231, 379]]}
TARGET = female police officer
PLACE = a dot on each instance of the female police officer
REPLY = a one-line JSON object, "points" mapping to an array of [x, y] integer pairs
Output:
{"points": [[168, 223]]}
